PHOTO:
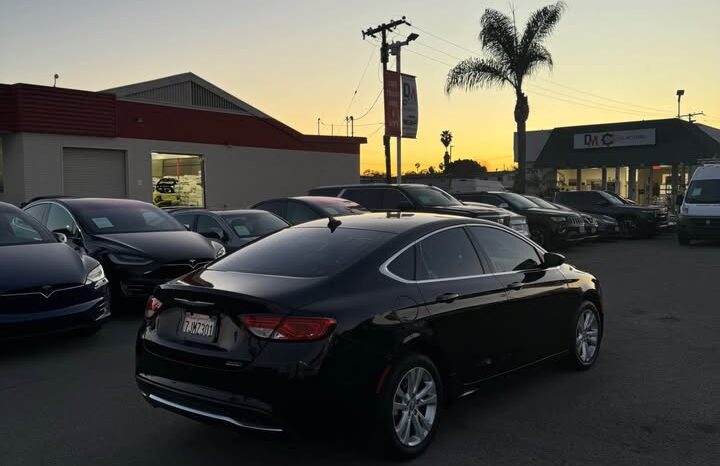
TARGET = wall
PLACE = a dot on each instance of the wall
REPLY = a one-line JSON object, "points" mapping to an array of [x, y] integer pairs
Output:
{"points": [[13, 169], [234, 176]]}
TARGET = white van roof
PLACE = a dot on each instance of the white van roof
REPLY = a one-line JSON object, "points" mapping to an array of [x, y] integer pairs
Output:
{"points": [[709, 171]]}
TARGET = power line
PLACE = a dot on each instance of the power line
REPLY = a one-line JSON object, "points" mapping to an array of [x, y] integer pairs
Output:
{"points": [[371, 107], [357, 87], [477, 53]]}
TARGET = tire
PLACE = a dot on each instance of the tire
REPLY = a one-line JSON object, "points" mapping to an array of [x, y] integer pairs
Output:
{"points": [[585, 337], [683, 238], [391, 436], [632, 228]]}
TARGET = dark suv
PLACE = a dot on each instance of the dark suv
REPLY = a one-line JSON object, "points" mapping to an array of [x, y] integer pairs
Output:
{"points": [[409, 197], [635, 220], [548, 227]]}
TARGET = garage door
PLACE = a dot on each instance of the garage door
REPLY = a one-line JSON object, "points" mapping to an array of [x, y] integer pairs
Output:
{"points": [[94, 172]]}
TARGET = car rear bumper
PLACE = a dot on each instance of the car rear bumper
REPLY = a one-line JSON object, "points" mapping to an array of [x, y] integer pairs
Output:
{"points": [[15, 325]]}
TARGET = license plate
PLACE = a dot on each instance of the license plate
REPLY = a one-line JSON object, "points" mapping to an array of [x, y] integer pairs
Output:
{"points": [[199, 325]]}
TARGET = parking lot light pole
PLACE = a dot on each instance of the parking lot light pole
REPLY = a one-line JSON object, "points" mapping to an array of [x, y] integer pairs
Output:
{"points": [[395, 48]]}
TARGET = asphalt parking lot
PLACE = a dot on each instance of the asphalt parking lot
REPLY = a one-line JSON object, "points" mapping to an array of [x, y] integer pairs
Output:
{"points": [[653, 398]]}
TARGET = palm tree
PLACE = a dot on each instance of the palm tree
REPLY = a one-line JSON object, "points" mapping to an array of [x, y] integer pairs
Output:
{"points": [[446, 139], [512, 57]]}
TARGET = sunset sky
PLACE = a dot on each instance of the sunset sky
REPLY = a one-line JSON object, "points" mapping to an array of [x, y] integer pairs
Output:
{"points": [[302, 60]]}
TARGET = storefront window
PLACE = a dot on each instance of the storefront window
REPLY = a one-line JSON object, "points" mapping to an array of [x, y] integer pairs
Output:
{"points": [[178, 180]]}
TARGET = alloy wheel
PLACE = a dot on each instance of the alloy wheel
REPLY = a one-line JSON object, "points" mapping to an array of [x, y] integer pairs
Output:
{"points": [[415, 405], [587, 336]]}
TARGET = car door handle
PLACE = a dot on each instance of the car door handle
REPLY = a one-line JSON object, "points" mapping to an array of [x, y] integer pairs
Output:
{"points": [[515, 286], [447, 297]]}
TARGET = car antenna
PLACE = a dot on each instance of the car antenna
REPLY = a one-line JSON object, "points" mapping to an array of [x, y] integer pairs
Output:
{"points": [[333, 223]]}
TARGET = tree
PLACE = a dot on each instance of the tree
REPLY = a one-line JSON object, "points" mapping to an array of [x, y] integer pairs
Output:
{"points": [[512, 57], [446, 139], [466, 168]]}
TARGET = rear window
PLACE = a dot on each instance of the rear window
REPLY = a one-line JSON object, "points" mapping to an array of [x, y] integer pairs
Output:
{"points": [[304, 252]]}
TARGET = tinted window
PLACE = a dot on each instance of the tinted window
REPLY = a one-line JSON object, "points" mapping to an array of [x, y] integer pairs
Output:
{"points": [[18, 228], [542, 202], [404, 265], [276, 207], [392, 199], [371, 198], [254, 224], [209, 227], [602, 195], [517, 201], [577, 198], [507, 252], [59, 219], [703, 192], [325, 191], [108, 217], [337, 206], [304, 252], [186, 219], [37, 211], [447, 254], [486, 198], [300, 213], [427, 196]]}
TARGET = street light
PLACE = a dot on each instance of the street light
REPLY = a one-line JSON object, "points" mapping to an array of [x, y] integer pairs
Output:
{"points": [[395, 50], [679, 93]]}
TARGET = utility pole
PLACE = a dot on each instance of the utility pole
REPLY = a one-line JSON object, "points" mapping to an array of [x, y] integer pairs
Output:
{"points": [[691, 115], [352, 126], [679, 93], [318, 126], [383, 29], [395, 48]]}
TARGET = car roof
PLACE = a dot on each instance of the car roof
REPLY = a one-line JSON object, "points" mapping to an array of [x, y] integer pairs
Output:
{"points": [[375, 185], [6, 206], [707, 172], [93, 201], [395, 222]]}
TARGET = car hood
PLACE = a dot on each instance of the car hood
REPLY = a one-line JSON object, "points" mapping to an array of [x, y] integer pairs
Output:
{"points": [[705, 210], [36, 265], [541, 211], [161, 246]]}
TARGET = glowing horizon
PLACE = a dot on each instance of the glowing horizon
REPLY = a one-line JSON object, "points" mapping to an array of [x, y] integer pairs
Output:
{"points": [[615, 61]]}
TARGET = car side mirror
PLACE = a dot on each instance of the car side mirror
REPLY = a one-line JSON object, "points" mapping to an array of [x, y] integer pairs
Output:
{"points": [[405, 205], [62, 237], [553, 259]]}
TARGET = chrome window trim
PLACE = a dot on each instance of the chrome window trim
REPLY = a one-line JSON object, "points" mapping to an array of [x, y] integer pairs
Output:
{"points": [[386, 271]]}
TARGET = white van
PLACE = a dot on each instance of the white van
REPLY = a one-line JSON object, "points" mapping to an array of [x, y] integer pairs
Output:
{"points": [[700, 210]]}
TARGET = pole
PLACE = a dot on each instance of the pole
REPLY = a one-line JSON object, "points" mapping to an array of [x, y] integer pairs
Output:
{"points": [[352, 126], [386, 137], [399, 138], [318, 126]]}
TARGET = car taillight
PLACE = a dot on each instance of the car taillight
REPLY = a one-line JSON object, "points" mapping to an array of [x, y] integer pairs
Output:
{"points": [[152, 307], [290, 328]]}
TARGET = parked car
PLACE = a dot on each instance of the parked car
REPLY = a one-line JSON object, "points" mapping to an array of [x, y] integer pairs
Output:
{"points": [[605, 227], [233, 228], [580, 226], [409, 198], [139, 245], [381, 317], [517, 222], [635, 220], [301, 209], [45, 285], [700, 209], [548, 227]]}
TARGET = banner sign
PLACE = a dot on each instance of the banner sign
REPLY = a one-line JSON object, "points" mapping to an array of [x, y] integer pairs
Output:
{"points": [[635, 137], [409, 107], [392, 103]]}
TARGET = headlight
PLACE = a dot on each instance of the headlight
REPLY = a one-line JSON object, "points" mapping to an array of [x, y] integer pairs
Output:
{"points": [[558, 219], [129, 259], [97, 277]]}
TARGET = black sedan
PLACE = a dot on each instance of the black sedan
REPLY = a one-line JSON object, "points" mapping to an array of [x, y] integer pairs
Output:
{"points": [[45, 285], [301, 209], [383, 317], [233, 228], [139, 245]]}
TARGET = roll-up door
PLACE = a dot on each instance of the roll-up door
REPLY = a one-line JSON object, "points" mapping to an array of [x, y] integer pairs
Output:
{"points": [[94, 173]]}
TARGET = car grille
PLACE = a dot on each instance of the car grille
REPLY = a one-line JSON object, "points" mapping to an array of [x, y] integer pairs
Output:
{"points": [[575, 220], [170, 271], [709, 223], [43, 299]]}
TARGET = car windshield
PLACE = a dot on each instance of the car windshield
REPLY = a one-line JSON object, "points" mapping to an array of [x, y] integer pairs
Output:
{"points": [[542, 202], [428, 196], [611, 198], [703, 192], [109, 217], [304, 252], [252, 224], [18, 228], [517, 201]]}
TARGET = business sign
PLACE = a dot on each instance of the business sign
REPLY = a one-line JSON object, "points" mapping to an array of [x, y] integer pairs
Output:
{"points": [[635, 137], [409, 107], [392, 103]]}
